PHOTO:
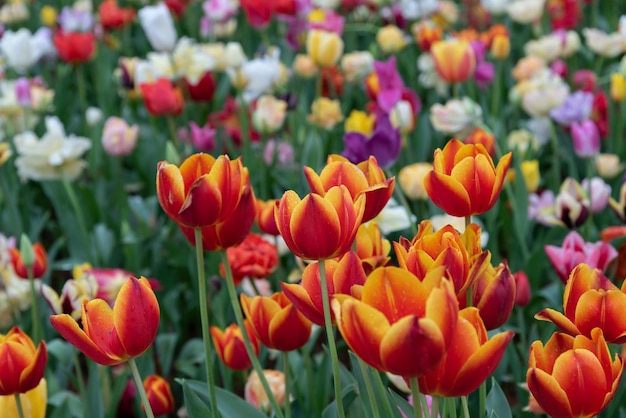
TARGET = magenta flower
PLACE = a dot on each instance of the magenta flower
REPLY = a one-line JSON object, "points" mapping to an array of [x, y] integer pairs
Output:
{"points": [[484, 72], [575, 251], [586, 138], [202, 137], [385, 144]]}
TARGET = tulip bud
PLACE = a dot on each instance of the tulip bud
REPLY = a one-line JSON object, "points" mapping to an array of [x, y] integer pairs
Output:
{"points": [[158, 26], [500, 47], [29, 257], [159, 395], [411, 179], [493, 292], [256, 395], [586, 138], [530, 171], [230, 348], [522, 289]]}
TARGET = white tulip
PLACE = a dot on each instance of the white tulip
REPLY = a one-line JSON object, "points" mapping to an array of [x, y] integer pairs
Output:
{"points": [[158, 25]]}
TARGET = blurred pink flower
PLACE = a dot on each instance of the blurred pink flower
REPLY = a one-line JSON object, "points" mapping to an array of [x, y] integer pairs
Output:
{"points": [[202, 137], [599, 193], [575, 251], [118, 138], [586, 138], [281, 149]]}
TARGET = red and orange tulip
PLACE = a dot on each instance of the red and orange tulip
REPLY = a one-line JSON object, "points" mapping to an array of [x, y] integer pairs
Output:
{"points": [[573, 376], [401, 325], [472, 357], [319, 227], [371, 247], [276, 321], [39, 267], [590, 300], [254, 258], [203, 191], [454, 59], [341, 277], [113, 336], [265, 216], [21, 365], [464, 180], [230, 347], [365, 178], [159, 395]]}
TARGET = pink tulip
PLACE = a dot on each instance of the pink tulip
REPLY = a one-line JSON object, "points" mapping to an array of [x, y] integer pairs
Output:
{"points": [[586, 138]]}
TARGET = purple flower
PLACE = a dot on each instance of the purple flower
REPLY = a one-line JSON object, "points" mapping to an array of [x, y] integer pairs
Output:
{"points": [[485, 71], [576, 108], [586, 138], [599, 193], [541, 207], [22, 91], [384, 144], [75, 20], [390, 83]]}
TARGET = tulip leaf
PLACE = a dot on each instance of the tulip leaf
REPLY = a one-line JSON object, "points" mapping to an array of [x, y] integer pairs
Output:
{"points": [[104, 240], [94, 392], [348, 395], [229, 404], [402, 404], [196, 407], [65, 404], [165, 345], [497, 404]]}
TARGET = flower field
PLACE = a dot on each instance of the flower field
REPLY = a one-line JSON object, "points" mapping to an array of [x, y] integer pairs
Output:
{"points": [[312, 208]]}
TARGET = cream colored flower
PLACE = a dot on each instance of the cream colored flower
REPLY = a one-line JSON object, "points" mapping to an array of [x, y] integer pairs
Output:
{"points": [[521, 141], [14, 12], [14, 292], [391, 39], [608, 166], [526, 11], [191, 61], [547, 47], [402, 116], [411, 179], [256, 395], [325, 112], [571, 44], [304, 66], [495, 7], [604, 44], [428, 76], [543, 92], [356, 65], [393, 217], [269, 114], [53, 156], [456, 116]]}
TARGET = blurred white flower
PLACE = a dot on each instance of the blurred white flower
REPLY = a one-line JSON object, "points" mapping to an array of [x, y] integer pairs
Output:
{"points": [[456, 116], [495, 7], [604, 44], [52, 157], [14, 292], [393, 218], [20, 49], [260, 75], [526, 11], [417, 9], [158, 25], [428, 76], [14, 12], [93, 115]]}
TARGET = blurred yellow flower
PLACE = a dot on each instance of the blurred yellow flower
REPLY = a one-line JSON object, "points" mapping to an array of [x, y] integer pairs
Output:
{"points": [[33, 402], [618, 87], [608, 165], [411, 179], [325, 48], [304, 66], [359, 121], [5, 152], [500, 47], [325, 112], [48, 16], [530, 171], [391, 39]]}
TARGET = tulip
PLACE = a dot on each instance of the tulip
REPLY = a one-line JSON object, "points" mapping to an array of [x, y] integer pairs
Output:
{"points": [[300, 222], [483, 137], [265, 216], [590, 301], [493, 292], [269, 114], [391, 39], [573, 376], [426, 35], [324, 47], [276, 321], [254, 258], [618, 87], [33, 402], [158, 25], [74, 47], [454, 60], [607, 165], [232, 230], [203, 191], [203, 90], [572, 204], [258, 12], [39, 264], [341, 276], [411, 179], [586, 138], [114, 17], [113, 336], [119, 138], [230, 348], [21, 365], [371, 247], [159, 395], [255, 395], [365, 179], [464, 180], [472, 357], [530, 171], [162, 98], [360, 122], [575, 251], [401, 325], [325, 113], [500, 46], [522, 289], [82, 287]]}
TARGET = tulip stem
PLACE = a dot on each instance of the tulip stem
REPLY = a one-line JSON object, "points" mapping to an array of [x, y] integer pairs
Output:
{"points": [[171, 126], [79, 216], [465, 406], [417, 400], [287, 384], [232, 293], [34, 309], [451, 406], [556, 163], [18, 404], [204, 319], [482, 399], [80, 380], [331, 339], [436, 404], [368, 387], [139, 384]]}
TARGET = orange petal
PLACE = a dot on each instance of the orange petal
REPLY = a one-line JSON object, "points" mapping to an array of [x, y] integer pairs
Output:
{"points": [[558, 319], [31, 376], [99, 325], [289, 329], [69, 329], [136, 316], [548, 393], [282, 215], [448, 194], [605, 310], [315, 182], [170, 188], [412, 347], [315, 228], [442, 308], [501, 170], [301, 299], [202, 205]]}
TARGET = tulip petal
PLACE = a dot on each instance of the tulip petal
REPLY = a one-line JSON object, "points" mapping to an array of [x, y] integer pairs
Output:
{"points": [[31, 376], [558, 319], [99, 325], [301, 299], [170, 188], [501, 170], [548, 393], [412, 347], [442, 308], [362, 327], [315, 227], [136, 316], [282, 215], [203, 204], [604, 310], [289, 329], [69, 329], [447, 193]]}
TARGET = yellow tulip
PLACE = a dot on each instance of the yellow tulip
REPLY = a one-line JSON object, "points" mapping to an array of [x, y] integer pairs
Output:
{"points": [[324, 47], [391, 39], [33, 402], [618, 87], [359, 121], [530, 171]]}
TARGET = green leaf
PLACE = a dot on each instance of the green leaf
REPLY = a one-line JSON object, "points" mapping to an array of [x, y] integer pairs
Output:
{"points": [[348, 395], [196, 407], [229, 404], [94, 392], [66, 404], [497, 404], [166, 345], [401, 403]]}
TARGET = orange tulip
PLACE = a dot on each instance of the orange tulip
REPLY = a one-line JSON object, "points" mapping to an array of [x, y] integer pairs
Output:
{"points": [[203, 191], [425, 35], [341, 277], [254, 258], [365, 178], [454, 59], [319, 227], [481, 136], [590, 300], [573, 376], [371, 247], [464, 180], [276, 321], [162, 98], [232, 230], [265, 216], [21, 365], [39, 267], [472, 357], [112, 336], [159, 395], [401, 325], [230, 347]]}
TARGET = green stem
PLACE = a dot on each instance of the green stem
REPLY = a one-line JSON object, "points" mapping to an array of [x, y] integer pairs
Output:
{"points": [[287, 384], [417, 401], [425, 408], [232, 293], [452, 407], [436, 405], [556, 162], [79, 216], [82, 96], [331, 339], [80, 381], [15, 219], [204, 319], [369, 388], [18, 404], [468, 221], [482, 399], [34, 308], [306, 356], [139, 384], [382, 389], [171, 126], [465, 406]]}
